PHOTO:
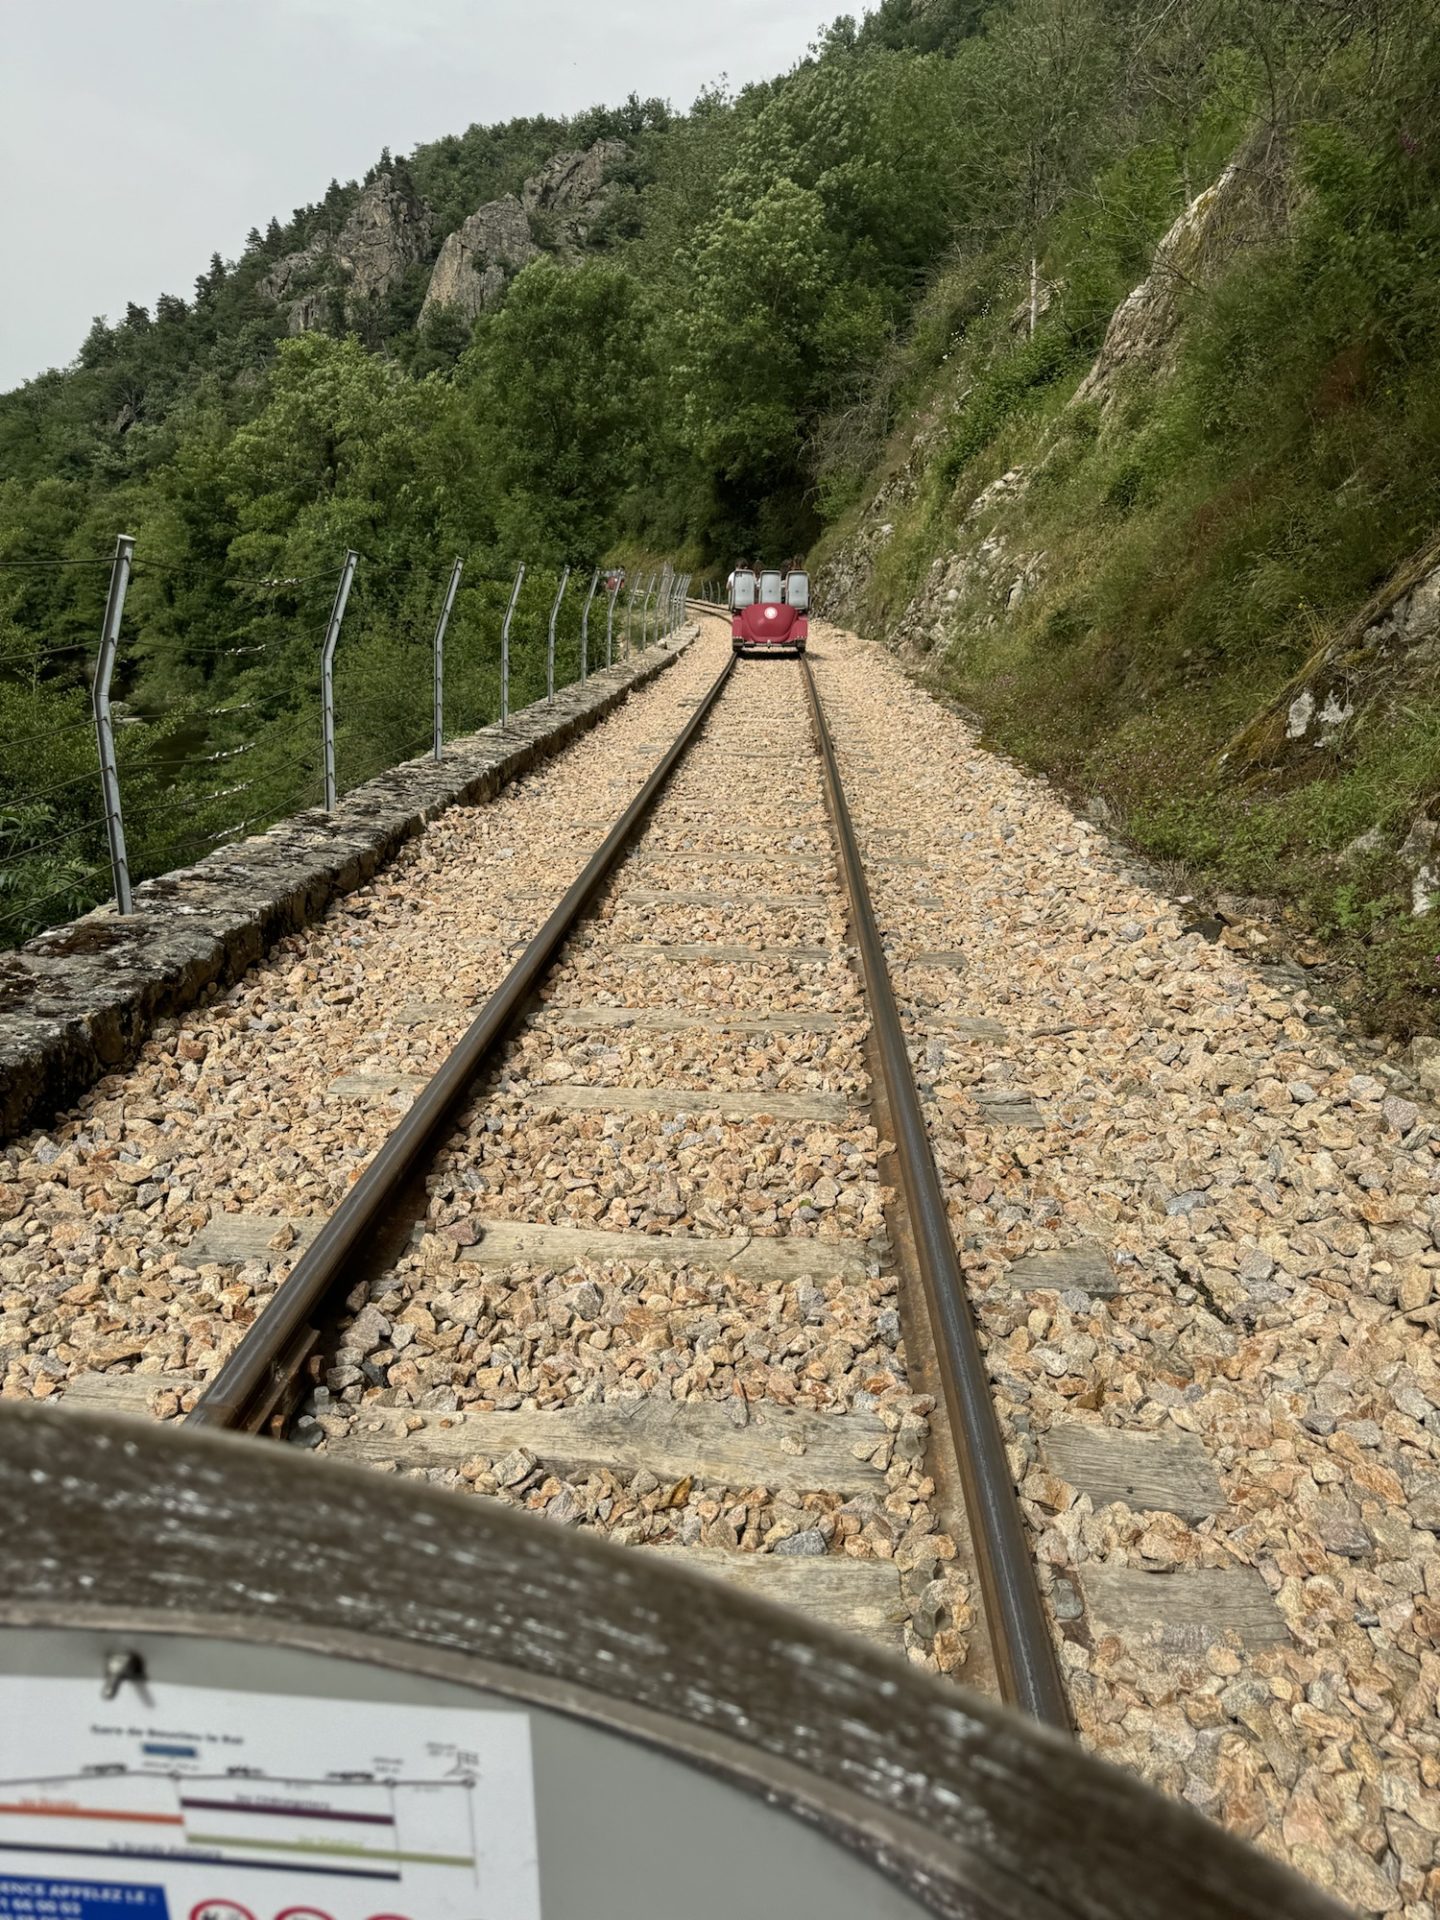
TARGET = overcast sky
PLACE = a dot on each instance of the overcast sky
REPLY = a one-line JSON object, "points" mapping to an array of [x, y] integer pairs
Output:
{"points": [[137, 140]]}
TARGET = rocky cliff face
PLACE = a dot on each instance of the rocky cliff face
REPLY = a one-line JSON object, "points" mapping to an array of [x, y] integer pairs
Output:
{"points": [[1248, 205], [563, 199], [475, 260], [387, 233], [1390, 649], [1386, 657], [988, 573], [572, 188]]}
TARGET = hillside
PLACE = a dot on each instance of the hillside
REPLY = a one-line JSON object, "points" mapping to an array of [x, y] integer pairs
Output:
{"points": [[1091, 351], [1185, 561]]}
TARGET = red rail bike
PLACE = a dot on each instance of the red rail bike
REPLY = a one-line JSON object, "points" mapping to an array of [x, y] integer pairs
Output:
{"points": [[769, 611]]}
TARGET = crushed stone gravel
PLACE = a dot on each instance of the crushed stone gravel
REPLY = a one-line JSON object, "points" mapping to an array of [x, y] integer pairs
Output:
{"points": [[1270, 1206]]}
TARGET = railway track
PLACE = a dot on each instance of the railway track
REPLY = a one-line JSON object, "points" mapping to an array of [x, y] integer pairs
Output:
{"points": [[660, 1248], [658, 1273]]}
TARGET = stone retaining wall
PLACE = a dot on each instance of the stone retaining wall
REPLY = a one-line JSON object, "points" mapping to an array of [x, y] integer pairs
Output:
{"points": [[80, 999]]}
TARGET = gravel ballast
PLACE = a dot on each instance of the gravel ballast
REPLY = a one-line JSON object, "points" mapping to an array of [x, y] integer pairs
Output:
{"points": [[1267, 1211], [231, 1108]]}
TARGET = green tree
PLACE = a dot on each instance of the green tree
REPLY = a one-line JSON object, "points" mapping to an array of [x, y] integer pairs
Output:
{"points": [[559, 383]]}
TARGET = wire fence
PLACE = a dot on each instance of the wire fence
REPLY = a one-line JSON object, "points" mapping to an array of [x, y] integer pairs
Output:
{"points": [[324, 681]]}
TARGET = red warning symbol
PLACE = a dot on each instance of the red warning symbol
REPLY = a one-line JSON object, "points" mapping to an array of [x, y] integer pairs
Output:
{"points": [[220, 1910]]}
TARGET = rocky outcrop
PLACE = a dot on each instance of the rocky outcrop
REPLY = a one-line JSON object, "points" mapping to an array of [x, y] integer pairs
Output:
{"points": [[562, 201], [1379, 662], [478, 258], [986, 576], [300, 284], [1249, 204], [386, 235], [387, 232], [982, 579], [1386, 653], [572, 188]]}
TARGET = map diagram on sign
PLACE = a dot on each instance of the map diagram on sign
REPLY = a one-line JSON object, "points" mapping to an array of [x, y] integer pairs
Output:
{"points": [[215, 1805]]}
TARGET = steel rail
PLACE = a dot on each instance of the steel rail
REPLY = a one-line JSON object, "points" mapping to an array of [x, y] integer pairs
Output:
{"points": [[1025, 1660], [262, 1367]]}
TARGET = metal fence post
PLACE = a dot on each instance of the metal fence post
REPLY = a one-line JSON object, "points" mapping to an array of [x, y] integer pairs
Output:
{"points": [[550, 641], [612, 594], [104, 730], [585, 628], [505, 646], [645, 612], [629, 617], [327, 676], [440, 627]]}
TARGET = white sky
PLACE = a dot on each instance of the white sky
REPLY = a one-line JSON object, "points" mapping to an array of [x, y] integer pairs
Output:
{"points": [[138, 139]]}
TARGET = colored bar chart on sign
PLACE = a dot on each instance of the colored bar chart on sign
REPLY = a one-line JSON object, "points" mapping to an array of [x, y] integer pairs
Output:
{"points": [[423, 1812]]}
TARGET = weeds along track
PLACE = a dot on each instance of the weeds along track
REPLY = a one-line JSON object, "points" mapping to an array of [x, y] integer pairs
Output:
{"points": [[633, 1253]]}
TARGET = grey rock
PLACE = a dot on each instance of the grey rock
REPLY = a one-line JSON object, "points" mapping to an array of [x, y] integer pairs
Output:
{"points": [[1364, 846], [386, 233], [1400, 1114], [476, 260], [1339, 1528], [572, 189], [365, 1332], [1425, 1058], [1145, 327], [515, 1467], [809, 1543], [1423, 1506], [1419, 844], [586, 1300], [1185, 1203]]}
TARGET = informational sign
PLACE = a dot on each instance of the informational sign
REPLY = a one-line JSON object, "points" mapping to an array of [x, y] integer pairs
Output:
{"points": [[191, 1803]]}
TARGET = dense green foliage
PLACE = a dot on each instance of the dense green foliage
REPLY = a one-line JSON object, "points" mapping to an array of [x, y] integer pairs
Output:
{"points": [[914, 239], [1196, 544]]}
